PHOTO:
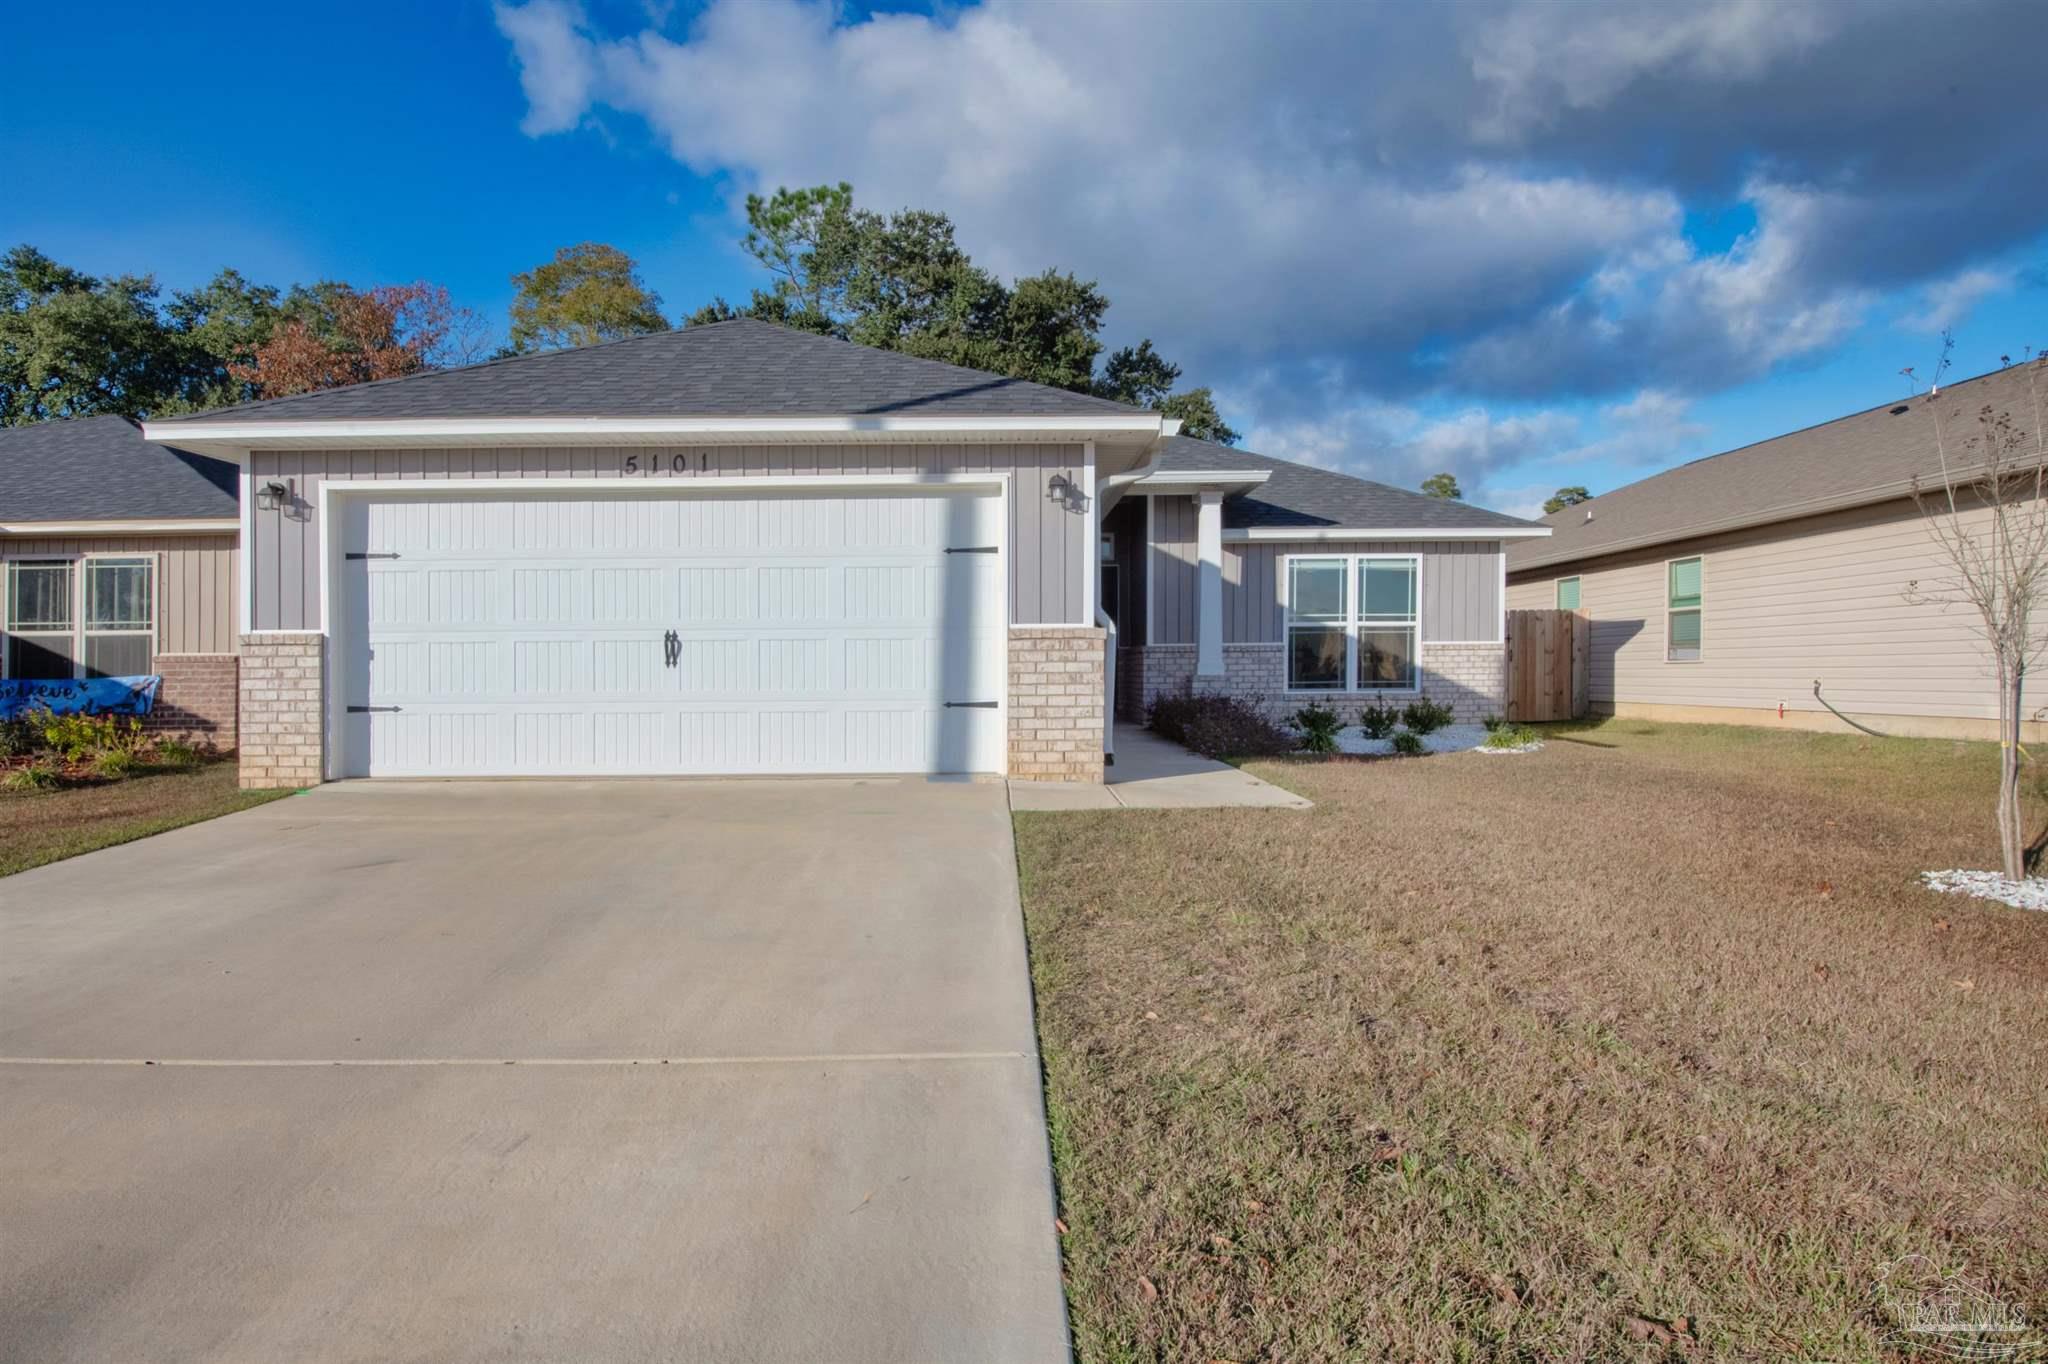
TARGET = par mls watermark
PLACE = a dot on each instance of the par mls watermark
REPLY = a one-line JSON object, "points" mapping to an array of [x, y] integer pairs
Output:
{"points": [[1939, 1312]]}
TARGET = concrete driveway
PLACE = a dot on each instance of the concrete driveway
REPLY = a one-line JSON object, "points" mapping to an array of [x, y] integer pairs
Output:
{"points": [[509, 1071]]}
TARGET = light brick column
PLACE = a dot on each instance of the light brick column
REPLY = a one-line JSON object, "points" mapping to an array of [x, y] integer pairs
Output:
{"points": [[283, 731], [197, 699], [1056, 703]]}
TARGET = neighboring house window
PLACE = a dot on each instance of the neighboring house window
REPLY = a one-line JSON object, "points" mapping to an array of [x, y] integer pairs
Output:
{"points": [[1567, 594], [1318, 624], [1353, 623], [120, 618], [41, 628], [1682, 605], [93, 617]]}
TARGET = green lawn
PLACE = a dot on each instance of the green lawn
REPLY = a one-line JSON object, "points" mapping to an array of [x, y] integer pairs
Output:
{"points": [[1647, 1045], [47, 826]]}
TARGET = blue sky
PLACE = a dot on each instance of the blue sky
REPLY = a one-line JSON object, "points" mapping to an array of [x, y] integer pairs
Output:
{"points": [[1533, 244]]}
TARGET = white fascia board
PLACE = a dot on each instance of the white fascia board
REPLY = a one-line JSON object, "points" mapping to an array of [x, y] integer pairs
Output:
{"points": [[1188, 482], [1312, 534], [232, 439], [212, 525]]}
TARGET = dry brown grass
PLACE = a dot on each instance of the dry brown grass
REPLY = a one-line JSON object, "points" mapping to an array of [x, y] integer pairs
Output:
{"points": [[1502, 1058], [45, 826]]}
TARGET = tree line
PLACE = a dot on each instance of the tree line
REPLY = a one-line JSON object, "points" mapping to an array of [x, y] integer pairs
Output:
{"points": [[74, 344]]}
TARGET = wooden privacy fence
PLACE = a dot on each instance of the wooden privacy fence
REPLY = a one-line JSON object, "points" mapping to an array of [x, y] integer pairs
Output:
{"points": [[1550, 659]]}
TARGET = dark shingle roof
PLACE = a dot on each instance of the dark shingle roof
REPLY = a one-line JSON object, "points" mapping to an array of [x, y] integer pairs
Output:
{"points": [[1867, 457], [742, 368], [1303, 497], [101, 469]]}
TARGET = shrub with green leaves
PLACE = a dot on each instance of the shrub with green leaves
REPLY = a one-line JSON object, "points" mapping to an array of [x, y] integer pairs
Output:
{"points": [[79, 737], [1425, 716], [1511, 736], [37, 776], [1408, 744], [1378, 720], [17, 737], [1492, 722], [115, 763], [1318, 725], [173, 753]]}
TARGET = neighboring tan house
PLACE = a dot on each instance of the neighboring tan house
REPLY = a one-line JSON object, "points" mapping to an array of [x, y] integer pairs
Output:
{"points": [[119, 560], [738, 548], [1724, 589]]}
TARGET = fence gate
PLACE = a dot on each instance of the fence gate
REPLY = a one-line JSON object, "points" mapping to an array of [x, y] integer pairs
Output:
{"points": [[1550, 657]]}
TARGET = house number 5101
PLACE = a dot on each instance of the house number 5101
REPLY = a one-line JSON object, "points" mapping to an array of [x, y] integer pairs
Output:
{"points": [[673, 464]]}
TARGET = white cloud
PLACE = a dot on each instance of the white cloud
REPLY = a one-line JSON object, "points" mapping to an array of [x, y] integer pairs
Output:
{"points": [[555, 69], [1945, 303], [1485, 199]]}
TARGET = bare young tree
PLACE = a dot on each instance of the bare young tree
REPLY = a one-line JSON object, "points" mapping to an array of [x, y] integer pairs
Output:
{"points": [[1988, 514]]}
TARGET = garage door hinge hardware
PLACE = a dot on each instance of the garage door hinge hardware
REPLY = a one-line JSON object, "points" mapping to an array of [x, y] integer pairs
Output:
{"points": [[971, 705], [370, 710], [973, 549], [359, 554]]}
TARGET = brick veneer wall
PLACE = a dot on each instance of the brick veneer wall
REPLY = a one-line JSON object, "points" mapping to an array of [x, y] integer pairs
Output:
{"points": [[1469, 678], [197, 699], [1056, 703], [282, 731]]}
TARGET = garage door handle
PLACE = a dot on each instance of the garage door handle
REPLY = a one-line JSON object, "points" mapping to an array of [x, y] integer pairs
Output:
{"points": [[370, 710], [973, 549], [970, 705], [358, 554]]}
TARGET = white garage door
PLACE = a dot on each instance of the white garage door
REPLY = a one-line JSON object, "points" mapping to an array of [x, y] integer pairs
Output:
{"points": [[488, 634]]}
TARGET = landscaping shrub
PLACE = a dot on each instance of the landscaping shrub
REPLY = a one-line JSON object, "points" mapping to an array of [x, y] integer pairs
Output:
{"points": [[1425, 716], [1408, 744], [1225, 727], [1378, 720], [115, 763], [1511, 736], [1318, 725], [1218, 726], [173, 753], [79, 737], [37, 776], [1169, 715], [19, 736], [1492, 722]]}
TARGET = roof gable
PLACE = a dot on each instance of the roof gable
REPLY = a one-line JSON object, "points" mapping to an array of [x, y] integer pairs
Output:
{"points": [[1304, 498], [1869, 456], [101, 469], [741, 368]]}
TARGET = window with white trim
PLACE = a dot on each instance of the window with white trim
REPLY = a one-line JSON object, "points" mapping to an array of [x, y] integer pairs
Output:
{"points": [[89, 617], [120, 616], [1684, 601], [1354, 622], [42, 630]]}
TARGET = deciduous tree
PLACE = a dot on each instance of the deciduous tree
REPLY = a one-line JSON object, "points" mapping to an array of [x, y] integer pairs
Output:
{"points": [[1987, 512], [332, 335], [1565, 497], [72, 345], [1443, 485], [589, 292]]}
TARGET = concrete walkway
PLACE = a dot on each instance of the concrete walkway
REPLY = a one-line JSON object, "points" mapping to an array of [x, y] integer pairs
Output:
{"points": [[1152, 774], [530, 1071]]}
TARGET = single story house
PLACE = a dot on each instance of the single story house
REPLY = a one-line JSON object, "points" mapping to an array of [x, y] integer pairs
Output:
{"points": [[1724, 590], [118, 556], [738, 548]]}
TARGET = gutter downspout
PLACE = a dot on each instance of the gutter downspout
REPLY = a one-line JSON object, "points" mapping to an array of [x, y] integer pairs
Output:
{"points": [[1108, 492]]}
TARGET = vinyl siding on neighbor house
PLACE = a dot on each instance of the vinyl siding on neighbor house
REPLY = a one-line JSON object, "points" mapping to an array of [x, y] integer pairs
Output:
{"points": [[1460, 581], [1783, 605], [1046, 533], [195, 587]]}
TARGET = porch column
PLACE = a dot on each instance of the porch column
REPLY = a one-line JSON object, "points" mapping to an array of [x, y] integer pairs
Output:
{"points": [[1209, 588]]}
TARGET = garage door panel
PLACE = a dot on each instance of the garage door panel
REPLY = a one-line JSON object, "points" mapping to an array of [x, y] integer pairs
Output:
{"points": [[694, 635]]}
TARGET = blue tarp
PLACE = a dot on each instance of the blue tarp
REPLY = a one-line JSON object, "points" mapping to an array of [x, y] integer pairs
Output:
{"points": [[87, 696]]}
